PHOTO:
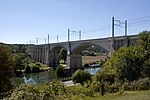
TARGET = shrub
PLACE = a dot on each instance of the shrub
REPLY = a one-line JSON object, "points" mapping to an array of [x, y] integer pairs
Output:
{"points": [[95, 86], [35, 69], [101, 75], [59, 71], [81, 76], [86, 65], [141, 84], [114, 87], [38, 64], [27, 69], [54, 90]]}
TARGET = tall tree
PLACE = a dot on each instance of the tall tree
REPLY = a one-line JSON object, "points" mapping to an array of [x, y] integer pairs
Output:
{"points": [[6, 68], [19, 60], [63, 54], [132, 62], [143, 43]]}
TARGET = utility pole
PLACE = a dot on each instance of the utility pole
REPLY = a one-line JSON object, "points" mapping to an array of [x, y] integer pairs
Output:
{"points": [[30, 41], [45, 40], [57, 38], [68, 34], [69, 44], [48, 38], [112, 40], [113, 30], [113, 27], [79, 34], [37, 41], [125, 28]]}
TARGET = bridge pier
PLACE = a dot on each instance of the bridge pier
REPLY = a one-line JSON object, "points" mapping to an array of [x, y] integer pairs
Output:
{"points": [[53, 59], [74, 62]]}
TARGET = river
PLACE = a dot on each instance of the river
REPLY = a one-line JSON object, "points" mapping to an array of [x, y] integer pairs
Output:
{"points": [[40, 77]]}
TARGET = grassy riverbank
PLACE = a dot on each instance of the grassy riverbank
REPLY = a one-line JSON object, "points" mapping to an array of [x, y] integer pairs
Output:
{"points": [[127, 95]]}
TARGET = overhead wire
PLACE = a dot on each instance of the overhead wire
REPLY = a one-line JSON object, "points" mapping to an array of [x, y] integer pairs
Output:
{"points": [[96, 29], [139, 18], [138, 22], [131, 22]]}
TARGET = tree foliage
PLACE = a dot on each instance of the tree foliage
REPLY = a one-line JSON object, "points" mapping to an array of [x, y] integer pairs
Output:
{"points": [[81, 76], [18, 48], [131, 63], [54, 90], [6, 68], [63, 54], [20, 60], [143, 43], [20, 56], [59, 71], [27, 69], [35, 69]]}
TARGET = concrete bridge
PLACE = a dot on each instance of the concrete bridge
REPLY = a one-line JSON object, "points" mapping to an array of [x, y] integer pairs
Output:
{"points": [[49, 53]]}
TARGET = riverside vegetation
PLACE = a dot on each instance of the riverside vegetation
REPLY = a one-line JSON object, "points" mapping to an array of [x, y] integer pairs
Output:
{"points": [[127, 70]]}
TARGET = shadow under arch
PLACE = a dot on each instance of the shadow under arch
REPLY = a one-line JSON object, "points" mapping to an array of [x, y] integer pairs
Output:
{"points": [[54, 56], [78, 49], [57, 48]]}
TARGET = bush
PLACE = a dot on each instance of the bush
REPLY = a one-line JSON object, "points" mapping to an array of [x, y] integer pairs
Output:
{"points": [[37, 64], [27, 69], [141, 84], [101, 75], [95, 86], [59, 71], [54, 90], [114, 87], [80, 90], [35, 69], [81, 76], [86, 65]]}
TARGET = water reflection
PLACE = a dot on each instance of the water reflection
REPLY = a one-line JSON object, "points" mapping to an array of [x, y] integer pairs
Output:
{"points": [[34, 78], [41, 77], [93, 70], [30, 80]]}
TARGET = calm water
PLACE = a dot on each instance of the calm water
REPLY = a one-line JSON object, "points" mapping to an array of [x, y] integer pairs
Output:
{"points": [[34, 78], [93, 70], [43, 77]]}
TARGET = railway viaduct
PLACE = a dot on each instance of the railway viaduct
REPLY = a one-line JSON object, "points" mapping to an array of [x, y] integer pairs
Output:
{"points": [[49, 53]]}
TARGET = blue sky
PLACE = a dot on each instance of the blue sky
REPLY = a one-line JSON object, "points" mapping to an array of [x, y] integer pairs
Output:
{"points": [[25, 20]]}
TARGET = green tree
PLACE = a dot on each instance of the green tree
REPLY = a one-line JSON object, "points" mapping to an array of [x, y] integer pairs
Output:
{"points": [[35, 69], [143, 43], [28, 69], [81, 76], [63, 54], [125, 63], [19, 60], [18, 48], [59, 71], [6, 68], [131, 63]]}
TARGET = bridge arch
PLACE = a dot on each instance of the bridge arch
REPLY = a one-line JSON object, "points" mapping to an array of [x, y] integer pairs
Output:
{"points": [[78, 49], [57, 48], [54, 57]]}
